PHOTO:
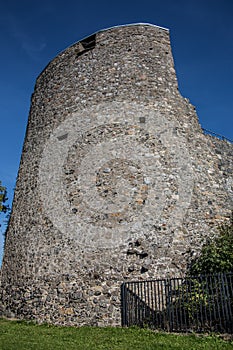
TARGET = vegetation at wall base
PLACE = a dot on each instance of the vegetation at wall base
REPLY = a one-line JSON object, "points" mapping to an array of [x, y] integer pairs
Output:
{"points": [[23, 335], [208, 286], [216, 254]]}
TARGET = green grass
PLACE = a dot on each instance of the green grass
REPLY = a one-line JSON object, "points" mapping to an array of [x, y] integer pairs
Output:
{"points": [[19, 335]]}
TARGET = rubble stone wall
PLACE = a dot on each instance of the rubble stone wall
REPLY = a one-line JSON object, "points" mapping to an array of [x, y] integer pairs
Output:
{"points": [[117, 180]]}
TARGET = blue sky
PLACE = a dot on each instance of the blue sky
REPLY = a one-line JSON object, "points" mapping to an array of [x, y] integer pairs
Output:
{"points": [[32, 33]]}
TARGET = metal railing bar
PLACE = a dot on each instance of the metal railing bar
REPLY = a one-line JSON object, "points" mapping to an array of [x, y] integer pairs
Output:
{"points": [[201, 303]]}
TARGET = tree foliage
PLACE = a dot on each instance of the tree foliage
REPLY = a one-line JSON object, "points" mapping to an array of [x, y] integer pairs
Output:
{"points": [[216, 254], [3, 198], [4, 208]]}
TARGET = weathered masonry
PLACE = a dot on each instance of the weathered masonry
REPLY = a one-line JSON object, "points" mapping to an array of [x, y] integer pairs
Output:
{"points": [[117, 181]]}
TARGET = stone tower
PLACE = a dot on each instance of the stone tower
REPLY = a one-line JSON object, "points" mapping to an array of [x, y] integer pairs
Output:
{"points": [[116, 182]]}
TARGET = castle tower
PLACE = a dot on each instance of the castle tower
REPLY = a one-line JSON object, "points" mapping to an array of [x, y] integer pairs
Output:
{"points": [[116, 182]]}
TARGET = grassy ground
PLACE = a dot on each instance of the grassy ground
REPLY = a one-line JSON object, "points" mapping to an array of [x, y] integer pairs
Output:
{"points": [[16, 335]]}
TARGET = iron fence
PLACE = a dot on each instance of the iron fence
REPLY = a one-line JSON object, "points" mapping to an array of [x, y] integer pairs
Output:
{"points": [[201, 304]]}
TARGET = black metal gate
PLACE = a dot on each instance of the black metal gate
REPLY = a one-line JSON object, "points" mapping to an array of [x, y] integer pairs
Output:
{"points": [[200, 304]]}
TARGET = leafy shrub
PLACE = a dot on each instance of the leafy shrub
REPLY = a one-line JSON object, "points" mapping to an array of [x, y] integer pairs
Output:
{"points": [[216, 254], [197, 302]]}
